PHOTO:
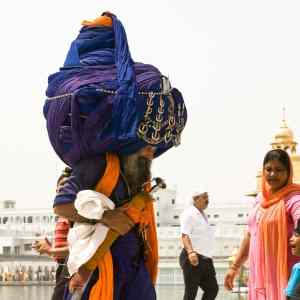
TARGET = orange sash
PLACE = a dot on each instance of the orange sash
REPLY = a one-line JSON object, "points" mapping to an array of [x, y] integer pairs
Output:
{"points": [[100, 21], [273, 230], [141, 211], [152, 258], [103, 288]]}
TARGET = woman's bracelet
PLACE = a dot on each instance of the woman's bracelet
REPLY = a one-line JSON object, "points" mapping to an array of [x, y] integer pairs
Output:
{"points": [[234, 267], [191, 252]]}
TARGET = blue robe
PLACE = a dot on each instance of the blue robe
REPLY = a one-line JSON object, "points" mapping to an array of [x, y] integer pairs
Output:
{"points": [[131, 278]]}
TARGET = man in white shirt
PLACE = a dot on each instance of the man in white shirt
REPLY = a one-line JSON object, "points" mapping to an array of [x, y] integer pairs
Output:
{"points": [[198, 245]]}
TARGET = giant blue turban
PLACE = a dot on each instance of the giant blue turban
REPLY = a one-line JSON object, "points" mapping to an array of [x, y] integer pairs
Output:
{"points": [[101, 100]]}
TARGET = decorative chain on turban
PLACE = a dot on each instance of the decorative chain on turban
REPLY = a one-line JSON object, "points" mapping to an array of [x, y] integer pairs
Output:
{"points": [[101, 101]]}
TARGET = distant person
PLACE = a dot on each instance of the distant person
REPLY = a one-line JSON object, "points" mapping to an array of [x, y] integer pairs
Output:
{"points": [[293, 288], [196, 256], [60, 250], [270, 226], [30, 273]]}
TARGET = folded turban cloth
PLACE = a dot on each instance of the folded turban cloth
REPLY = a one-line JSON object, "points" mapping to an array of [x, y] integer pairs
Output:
{"points": [[102, 101], [84, 239]]}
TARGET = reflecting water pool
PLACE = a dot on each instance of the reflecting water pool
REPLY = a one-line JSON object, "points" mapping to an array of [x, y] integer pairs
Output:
{"points": [[164, 292]]}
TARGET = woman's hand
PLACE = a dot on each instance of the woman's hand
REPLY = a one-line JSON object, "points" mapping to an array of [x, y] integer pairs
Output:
{"points": [[229, 279], [193, 258]]}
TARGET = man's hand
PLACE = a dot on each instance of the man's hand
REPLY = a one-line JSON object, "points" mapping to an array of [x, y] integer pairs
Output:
{"points": [[42, 247], [76, 283], [64, 177], [79, 279], [117, 220], [61, 183], [193, 258]]}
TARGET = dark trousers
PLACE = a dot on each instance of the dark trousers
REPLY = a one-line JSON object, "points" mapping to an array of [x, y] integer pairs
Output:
{"points": [[61, 281], [203, 275]]}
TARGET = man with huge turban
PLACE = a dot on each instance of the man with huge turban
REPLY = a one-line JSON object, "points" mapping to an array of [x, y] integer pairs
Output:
{"points": [[108, 118]]}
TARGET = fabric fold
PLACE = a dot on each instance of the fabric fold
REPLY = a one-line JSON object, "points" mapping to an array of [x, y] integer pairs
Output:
{"points": [[84, 239]]}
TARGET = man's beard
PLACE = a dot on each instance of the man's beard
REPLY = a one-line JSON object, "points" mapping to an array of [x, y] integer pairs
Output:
{"points": [[137, 171]]}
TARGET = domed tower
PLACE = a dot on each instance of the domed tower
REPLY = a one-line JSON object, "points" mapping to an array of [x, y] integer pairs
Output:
{"points": [[283, 139]]}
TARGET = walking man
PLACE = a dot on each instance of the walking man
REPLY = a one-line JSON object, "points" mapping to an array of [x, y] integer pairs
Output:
{"points": [[196, 256]]}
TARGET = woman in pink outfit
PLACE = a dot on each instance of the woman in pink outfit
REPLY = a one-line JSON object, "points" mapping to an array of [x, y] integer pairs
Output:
{"points": [[270, 226]]}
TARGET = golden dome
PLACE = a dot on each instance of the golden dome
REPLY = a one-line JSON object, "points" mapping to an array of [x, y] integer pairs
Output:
{"points": [[284, 138], [285, 134]]}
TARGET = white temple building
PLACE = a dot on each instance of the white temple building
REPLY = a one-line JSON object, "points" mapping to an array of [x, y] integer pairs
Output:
{"points": [[19, 228]]}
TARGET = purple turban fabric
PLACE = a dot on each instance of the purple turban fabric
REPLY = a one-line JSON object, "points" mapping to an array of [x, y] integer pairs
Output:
{"points": [[101, 101]]}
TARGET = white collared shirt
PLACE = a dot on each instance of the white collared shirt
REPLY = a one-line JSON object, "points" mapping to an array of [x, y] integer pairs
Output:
{"points": [[195, 225]]}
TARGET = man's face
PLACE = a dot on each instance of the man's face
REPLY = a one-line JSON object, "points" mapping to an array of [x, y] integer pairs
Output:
{"points": [[147, 152], [201, 201], [137, 168]]}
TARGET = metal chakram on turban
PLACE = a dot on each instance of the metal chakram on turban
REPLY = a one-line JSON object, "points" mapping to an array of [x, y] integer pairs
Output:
{"points": [[101, 101]]}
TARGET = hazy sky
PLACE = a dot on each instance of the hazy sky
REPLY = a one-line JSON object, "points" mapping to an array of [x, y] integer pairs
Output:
{"points": [[237, 64]]}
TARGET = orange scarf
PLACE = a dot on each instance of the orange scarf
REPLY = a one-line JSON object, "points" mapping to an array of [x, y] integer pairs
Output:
{"points": [[141, 211], [273, 232], [100, 21], [103, 288]]}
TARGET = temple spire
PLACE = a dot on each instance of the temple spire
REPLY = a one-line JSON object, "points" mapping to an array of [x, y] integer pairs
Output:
{"points": [[284, 138], [284, 117]]}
